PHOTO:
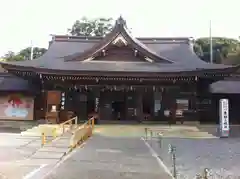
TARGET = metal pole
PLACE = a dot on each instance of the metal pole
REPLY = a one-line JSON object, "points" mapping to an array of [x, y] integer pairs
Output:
{"points": [[172, 151], [211, 45], [151, 133], [31, 57], [43, 139], [174, 164], [160, 139], [146, 133], [205, 173], [93, 122], [76, 120]]}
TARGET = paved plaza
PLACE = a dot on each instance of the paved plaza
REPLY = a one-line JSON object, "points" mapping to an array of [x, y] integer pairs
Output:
{"points": [[105, 157], [13, 150], [22, 157], [118, 151]]}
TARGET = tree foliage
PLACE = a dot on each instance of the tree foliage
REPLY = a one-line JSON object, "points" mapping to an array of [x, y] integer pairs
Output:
{"points": [[91, 27], [223, 49], [24, 54]]}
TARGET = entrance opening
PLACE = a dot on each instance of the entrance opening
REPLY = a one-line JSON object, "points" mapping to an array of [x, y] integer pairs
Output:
{"points": [[118, 105], [118, 110], [90, 104], [147, 105]]}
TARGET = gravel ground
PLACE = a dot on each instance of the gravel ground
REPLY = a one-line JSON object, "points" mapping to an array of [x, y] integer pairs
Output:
{"points": [[222, 156]]}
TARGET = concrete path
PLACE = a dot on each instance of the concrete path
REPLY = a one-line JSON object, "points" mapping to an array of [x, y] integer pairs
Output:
{"points": [[107, 158]]}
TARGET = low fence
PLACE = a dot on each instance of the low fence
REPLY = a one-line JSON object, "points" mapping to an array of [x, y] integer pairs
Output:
{"points": [[82, 133], [64, 127]]}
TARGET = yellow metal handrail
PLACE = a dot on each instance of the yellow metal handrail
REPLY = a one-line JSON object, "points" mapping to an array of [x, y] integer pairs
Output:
{"points": [[70, 123], [54, 135], [82, 133], [44, 138]]}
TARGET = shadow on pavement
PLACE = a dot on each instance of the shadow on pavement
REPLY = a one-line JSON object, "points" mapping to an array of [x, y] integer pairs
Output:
{"points": [[10, 130]]}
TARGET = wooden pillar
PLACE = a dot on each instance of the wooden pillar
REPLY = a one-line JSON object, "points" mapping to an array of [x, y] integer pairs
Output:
{"points": [[194, 103], [139, 106], [130, 106]]}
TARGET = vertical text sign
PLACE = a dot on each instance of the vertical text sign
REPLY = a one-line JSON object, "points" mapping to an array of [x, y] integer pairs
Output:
{"points": [[224, 117]]}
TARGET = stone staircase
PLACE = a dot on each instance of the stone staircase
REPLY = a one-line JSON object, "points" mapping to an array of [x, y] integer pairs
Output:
{"points": [[181, 131], [214, 130], [47, 129]]}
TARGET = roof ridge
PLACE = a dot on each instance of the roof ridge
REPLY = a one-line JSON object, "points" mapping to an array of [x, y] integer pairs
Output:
{"points": [[63, 38]]}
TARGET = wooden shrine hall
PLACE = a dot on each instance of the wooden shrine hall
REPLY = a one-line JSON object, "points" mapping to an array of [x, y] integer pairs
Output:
{"points": [[120, 77]]}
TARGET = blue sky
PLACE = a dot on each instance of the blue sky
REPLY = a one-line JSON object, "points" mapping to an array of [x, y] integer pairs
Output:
{"points": [[26, 20]]}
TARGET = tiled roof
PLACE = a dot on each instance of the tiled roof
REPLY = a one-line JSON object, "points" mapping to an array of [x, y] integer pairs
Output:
{"points": [[225, 87], [172, 54], [179, 52], [13, 83]]}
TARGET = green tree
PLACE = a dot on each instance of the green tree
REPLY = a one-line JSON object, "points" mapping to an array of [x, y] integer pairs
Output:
{"points": [[9, 54], [223, 48], [37, 52], [91, 27], [24, 54]]}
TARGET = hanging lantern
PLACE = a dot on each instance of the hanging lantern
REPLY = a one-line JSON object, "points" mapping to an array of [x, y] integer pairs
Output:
{"points": [[153, 88], [96, 104], [63, 100]]}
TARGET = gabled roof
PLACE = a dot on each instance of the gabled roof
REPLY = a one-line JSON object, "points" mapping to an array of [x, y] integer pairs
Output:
{"points": [[119, 34], [68, 53]]}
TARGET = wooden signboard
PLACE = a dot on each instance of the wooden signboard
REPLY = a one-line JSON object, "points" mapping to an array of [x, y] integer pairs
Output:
{"points": [[53, 97]]}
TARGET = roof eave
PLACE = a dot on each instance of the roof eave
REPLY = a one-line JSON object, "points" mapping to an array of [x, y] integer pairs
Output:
{"points": [[197, 72]]}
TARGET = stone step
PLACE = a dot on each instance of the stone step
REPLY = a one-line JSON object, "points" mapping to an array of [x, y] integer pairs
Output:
{"points": [[46, 128]]}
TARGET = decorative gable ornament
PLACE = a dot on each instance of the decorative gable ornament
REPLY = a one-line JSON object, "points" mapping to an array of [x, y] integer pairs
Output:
{"points": [[120, 41], [149, 60], [88, 59]]}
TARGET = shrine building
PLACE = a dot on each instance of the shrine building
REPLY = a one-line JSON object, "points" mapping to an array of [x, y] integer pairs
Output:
{"points": [[121, 78]]}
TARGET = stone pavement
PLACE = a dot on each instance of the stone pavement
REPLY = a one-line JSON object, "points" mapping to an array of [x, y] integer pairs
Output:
{"points": [[16, 147], [106, 158]]}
